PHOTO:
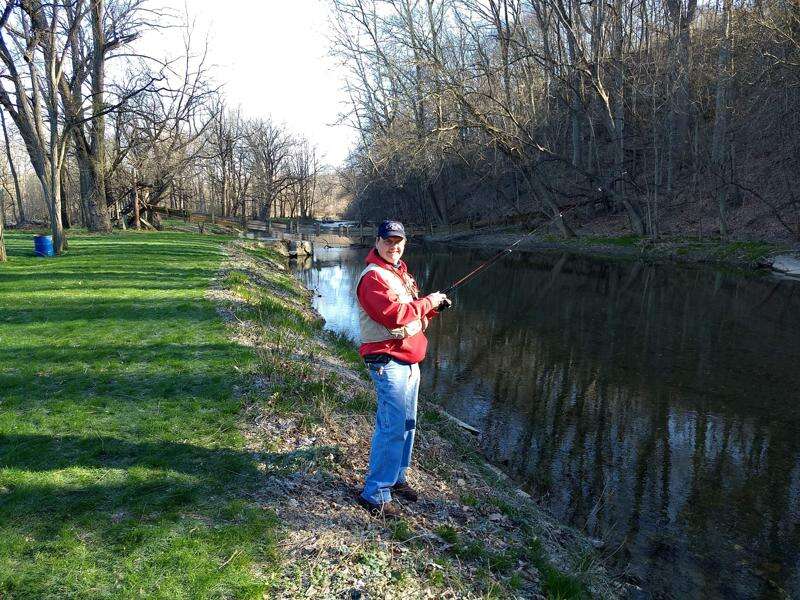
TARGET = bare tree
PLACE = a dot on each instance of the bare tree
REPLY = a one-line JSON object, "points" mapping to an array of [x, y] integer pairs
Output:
{"points": [[719, 149], [3, 256], [162, 132], [17, 190], [469, 107], [270, 147], [39, 37]]}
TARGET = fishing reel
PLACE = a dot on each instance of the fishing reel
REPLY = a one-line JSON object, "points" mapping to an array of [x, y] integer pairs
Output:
{"points": [[447, 303]]}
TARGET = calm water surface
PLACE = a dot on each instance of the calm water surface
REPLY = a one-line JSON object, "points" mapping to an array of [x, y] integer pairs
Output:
{"points": [[653, 406]]}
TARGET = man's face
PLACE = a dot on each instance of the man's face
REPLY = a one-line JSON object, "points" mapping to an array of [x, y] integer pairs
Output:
{"points": [[391, 248]]}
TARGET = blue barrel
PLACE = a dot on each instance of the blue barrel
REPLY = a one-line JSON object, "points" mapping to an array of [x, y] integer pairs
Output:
{"points": [[43, 245]]}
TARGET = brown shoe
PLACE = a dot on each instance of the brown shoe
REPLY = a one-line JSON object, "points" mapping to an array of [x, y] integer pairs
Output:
{"points": [[387, 510], [405, 491]]}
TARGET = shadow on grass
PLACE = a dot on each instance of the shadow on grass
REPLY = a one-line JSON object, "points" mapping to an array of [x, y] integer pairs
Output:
{"points": [[122, 472], [152, 519], [90, 309], [149, 487], [151, 353], [100, 474], [94, 279], [48, 453]]}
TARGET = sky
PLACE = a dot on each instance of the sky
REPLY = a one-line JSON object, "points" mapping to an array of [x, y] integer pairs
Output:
{"points": [[272, 56]]}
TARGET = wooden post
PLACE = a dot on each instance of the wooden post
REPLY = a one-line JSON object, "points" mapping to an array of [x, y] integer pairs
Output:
{"points": [[3, 256], [136, 223], [319, 229], [121, 217]]}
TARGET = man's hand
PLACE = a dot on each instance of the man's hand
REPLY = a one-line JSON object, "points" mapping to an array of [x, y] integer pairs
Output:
{"points": [[437, 299]]}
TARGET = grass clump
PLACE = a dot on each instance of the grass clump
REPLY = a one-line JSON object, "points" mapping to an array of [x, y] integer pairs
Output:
{"points": [[447, 533], [400, 530], [473, 550], [555, 584], [345, 348], [360, 402], [122, 472], [623, 241], [468, 499]]}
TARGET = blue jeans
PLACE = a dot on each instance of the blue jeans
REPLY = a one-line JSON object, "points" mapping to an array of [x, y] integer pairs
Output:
{"points": [[397, 385]]}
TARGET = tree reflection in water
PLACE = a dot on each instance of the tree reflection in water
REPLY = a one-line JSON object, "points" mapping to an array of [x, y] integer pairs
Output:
{"points": [[654, 406]]}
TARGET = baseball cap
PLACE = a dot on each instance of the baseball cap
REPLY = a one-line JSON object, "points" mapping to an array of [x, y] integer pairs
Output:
{"points": [[388, 229]]}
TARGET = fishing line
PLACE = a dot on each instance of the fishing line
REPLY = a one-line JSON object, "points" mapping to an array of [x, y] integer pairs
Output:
{"points": [[505, 251]]}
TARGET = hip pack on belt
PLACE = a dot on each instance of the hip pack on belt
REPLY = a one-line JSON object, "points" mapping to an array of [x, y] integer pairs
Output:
{"points": [[377, 359]]}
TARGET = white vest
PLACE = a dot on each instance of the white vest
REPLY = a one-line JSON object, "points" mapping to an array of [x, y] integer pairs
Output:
{"points": [[372, 331]]}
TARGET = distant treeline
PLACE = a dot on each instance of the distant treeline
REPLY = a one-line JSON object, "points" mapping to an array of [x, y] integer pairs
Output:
{"points": [[655, 112], [90, 145]]}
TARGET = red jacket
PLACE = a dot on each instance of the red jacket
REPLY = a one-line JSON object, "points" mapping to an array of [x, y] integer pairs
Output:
{"points": [[373, 296]]}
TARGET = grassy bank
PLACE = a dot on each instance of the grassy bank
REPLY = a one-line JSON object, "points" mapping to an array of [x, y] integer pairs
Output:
{"points": [[176, 423], [122, 471]]}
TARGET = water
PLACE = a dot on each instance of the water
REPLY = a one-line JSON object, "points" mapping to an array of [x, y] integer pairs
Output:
{"points": [[653, 406]]}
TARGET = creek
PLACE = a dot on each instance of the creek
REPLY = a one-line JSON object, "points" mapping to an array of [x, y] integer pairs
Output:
{"points": [[654, 406]]}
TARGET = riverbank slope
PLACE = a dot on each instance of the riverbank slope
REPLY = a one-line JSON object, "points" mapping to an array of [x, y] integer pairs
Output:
{"points": [[472, 534], [744, 254]]}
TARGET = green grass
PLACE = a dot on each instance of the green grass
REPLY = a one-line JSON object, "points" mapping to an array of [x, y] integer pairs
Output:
{"points": [[555, 584], [122, 472], [346, 349], [400, 530], [624, 241], [447, 533]]}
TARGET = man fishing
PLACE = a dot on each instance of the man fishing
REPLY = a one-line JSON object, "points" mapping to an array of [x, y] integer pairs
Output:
{"points": [[392, 319]]}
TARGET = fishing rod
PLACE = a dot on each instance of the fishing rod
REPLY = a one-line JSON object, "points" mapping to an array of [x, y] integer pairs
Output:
{"points": [[504, 252]]}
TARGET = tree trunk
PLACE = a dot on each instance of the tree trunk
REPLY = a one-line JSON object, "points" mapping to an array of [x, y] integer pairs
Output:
{"points": [[575, 106], [719, 147], [137, 223], [619, 118], [3, 256], [678, 116], [20, 209], [96, 201], [51, 190], [544, 195], [64, 204]]}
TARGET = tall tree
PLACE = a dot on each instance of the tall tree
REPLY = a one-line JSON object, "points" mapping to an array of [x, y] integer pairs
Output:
{"points": [[719, 143], [40, 36], [3, 256], [9, 157]]}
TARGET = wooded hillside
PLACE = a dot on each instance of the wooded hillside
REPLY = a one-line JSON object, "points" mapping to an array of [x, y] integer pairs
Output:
{"points": [[654, 116]]}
